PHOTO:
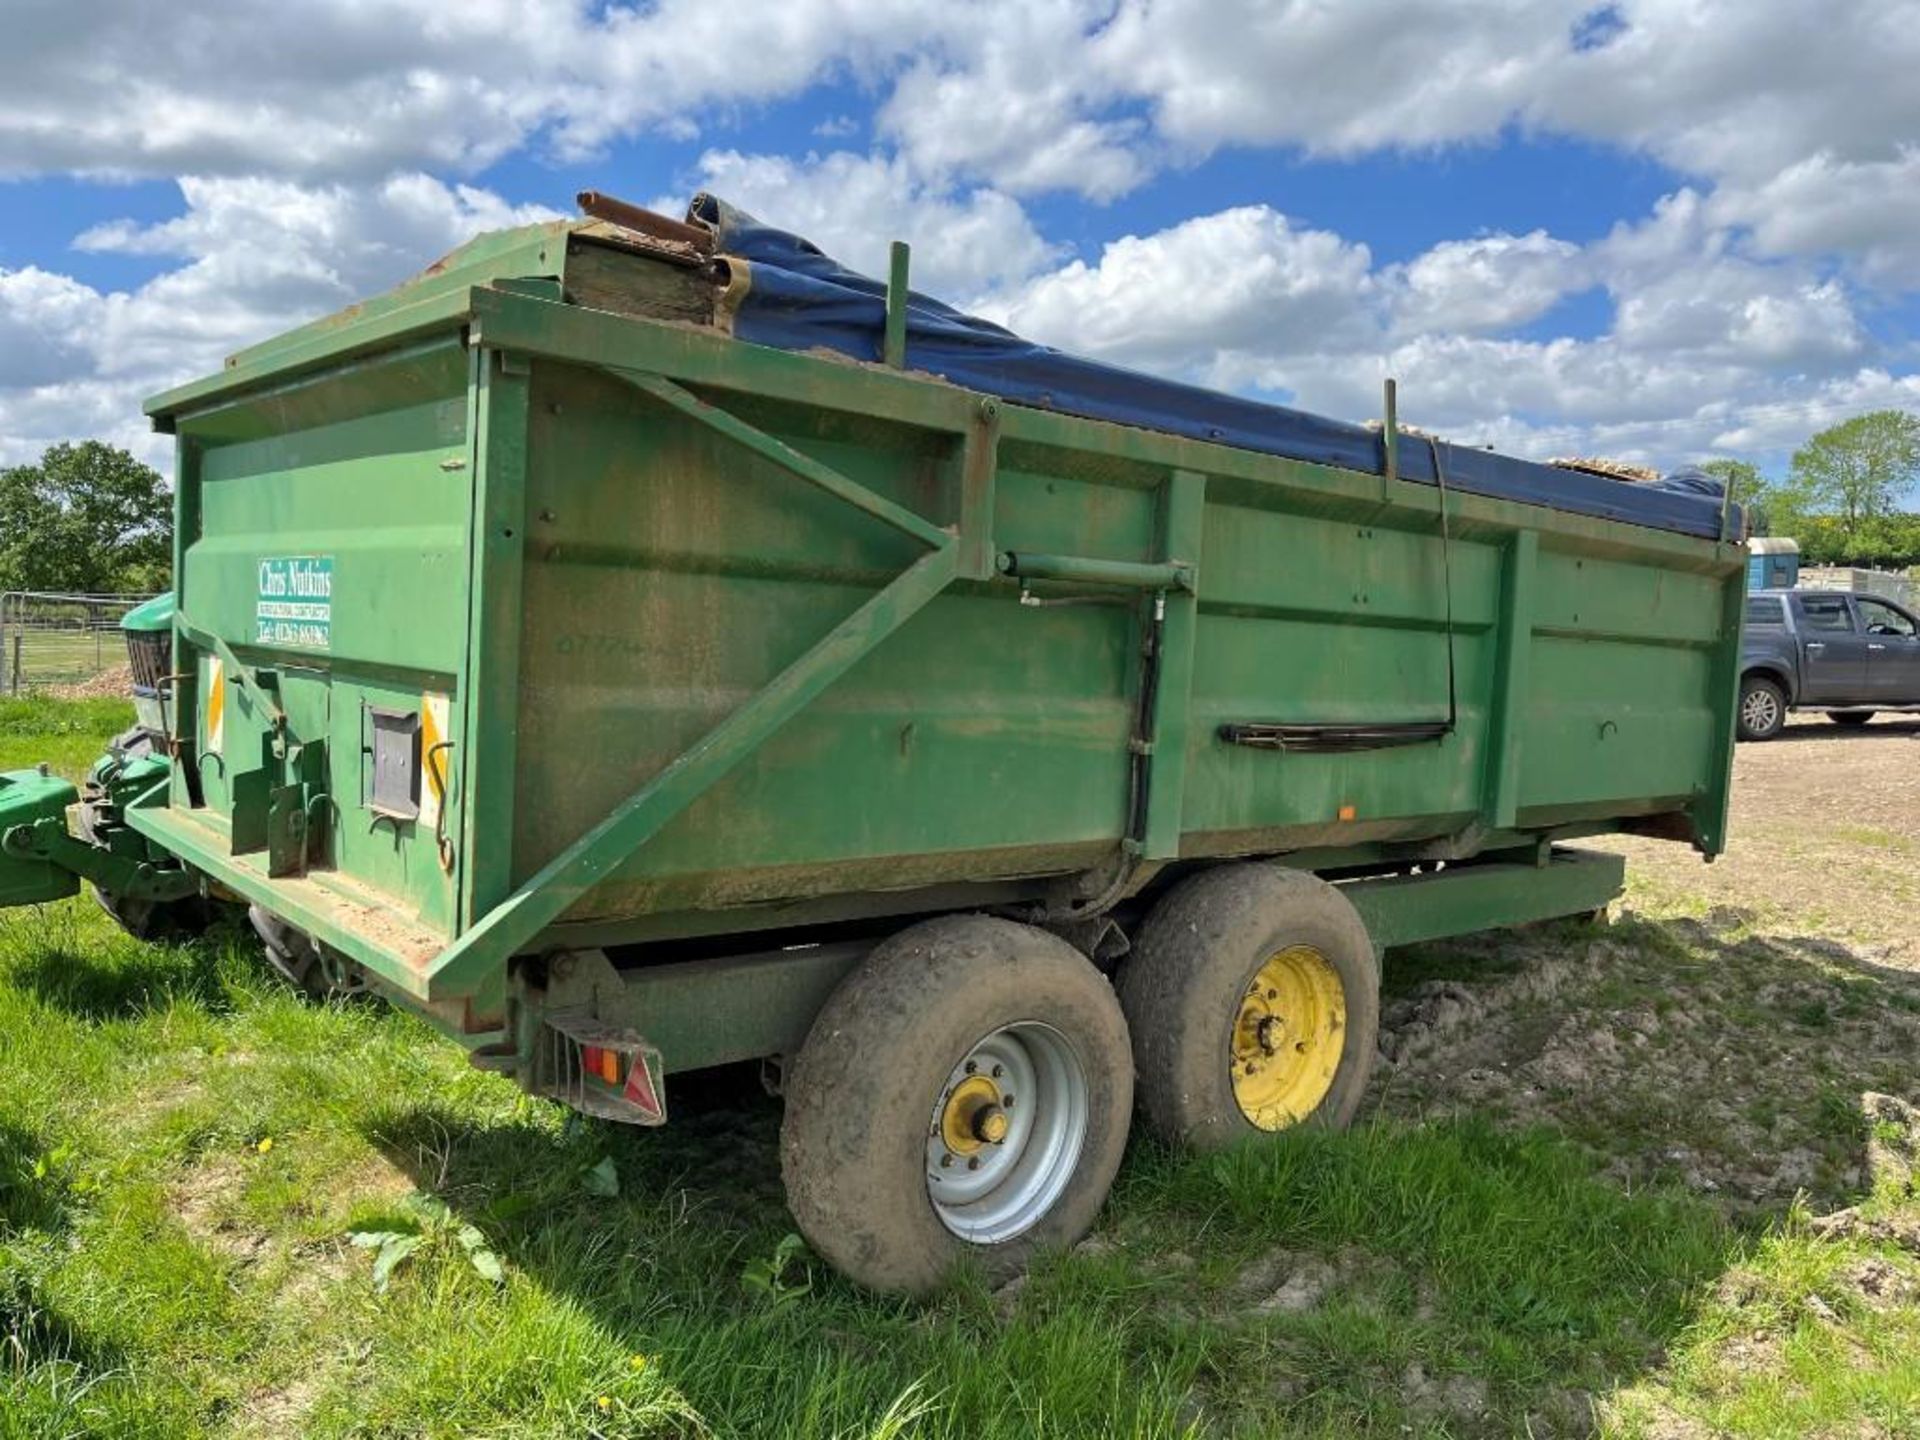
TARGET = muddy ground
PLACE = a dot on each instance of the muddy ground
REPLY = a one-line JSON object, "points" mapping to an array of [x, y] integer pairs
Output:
{"points": [[1744, 1027]]}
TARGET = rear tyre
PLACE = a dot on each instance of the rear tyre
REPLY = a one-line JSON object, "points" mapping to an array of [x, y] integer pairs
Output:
{"points": [[1850, 719], [1763, 708], [962, 1099], [1253, 997]]}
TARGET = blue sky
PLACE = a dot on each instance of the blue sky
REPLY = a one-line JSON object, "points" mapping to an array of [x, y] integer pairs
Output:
{"points": [[1658, 229]]}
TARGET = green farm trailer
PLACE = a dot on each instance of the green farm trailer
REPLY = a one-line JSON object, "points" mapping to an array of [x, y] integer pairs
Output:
{"points": [[562, 648]]}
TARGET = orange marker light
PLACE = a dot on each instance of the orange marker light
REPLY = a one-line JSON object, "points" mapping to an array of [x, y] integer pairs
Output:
{"points": [[601, 1063], [1347, 812]]}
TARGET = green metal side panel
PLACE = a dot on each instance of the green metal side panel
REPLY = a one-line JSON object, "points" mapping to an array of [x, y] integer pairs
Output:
{"points": [[1621, 708], [671, 574], [360, 481], [1309, 619]]}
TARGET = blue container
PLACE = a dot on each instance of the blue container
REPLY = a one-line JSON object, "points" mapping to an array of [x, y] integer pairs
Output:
{"points": [[1773, 563]]}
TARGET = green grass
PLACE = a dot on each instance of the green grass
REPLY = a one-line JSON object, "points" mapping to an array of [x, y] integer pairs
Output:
{"points": [[58, 656], [168, 1274], [67, 734], [186, 1148]]}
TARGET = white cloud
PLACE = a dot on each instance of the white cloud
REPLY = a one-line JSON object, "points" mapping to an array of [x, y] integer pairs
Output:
{"points": [[257, 257], [1336, 79], [1195, 297], [1800, 124], [1803, 124], [360, 88], [1734, 316], [1004, 98], [1011, 121], [1865, 210], [1491, 282], [1710, 347], [853, 206], [44, 321]]}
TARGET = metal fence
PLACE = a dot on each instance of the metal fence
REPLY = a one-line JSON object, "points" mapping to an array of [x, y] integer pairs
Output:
{"points": [[52, 639], [1901, 589]]}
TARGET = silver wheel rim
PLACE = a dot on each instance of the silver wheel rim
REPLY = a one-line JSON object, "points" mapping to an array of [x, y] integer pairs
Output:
{"points": [[1760, 710], [987, 1191]]}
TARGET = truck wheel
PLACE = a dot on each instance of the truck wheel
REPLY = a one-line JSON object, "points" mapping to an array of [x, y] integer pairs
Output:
{"points": [[1763, 708], [1851, 719], [1253, 997], [962, 1098]]}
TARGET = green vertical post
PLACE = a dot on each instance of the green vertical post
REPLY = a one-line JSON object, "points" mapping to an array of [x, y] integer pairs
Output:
{"points": [[1513, 658], [894, 350], [485, 745], [1390, 425], [979, 470], [186, 700], [1709, 809], [1182, 522]]}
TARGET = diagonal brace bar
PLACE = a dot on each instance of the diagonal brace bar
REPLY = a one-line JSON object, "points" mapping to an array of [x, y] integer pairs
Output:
{"points": [[237, 668], [786, 457], [517, 920]]}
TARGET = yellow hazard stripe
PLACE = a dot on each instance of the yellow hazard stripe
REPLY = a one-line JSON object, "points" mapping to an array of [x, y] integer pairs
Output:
{"points": [[216, 704]]}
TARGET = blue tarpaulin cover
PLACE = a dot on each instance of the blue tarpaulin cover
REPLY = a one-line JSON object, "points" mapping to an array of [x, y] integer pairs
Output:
{"points": [[798, 298]]}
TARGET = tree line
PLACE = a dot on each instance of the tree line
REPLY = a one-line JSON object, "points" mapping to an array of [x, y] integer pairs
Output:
{"points": [[1843, 493], [85, 519]]}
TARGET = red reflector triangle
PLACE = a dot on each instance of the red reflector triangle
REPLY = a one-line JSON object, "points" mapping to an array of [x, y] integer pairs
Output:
{"points": [[642, 1091]]}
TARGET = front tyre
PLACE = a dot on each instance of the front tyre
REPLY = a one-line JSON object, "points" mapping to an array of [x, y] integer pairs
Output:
{"points": [[1253, 997], [181, 919], [300, 961], [962, 1099], [1763, 708]]}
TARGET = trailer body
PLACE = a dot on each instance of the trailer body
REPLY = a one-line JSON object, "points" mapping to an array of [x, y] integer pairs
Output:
{"points": [[526, 612]]}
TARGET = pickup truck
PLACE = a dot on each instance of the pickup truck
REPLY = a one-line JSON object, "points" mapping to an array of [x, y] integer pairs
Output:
{"points": [[1849, 655]]}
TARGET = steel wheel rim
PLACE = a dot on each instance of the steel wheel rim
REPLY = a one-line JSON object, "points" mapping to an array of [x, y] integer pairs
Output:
{"points": [[1289, 1034], [1025, 1084], [1759, 710]]}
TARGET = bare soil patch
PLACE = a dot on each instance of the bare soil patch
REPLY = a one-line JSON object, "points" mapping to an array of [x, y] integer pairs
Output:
{"points": [[1745, 1028], [206, 1201], [1825, 836], [109, 684]]}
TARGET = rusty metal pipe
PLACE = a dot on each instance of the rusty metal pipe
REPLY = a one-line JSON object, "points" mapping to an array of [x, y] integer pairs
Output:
{"points": [[643, 221]]}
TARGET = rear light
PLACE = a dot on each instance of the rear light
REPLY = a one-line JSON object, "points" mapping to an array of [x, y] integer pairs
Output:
{"points": [[600, 1069], [606, 1064]]}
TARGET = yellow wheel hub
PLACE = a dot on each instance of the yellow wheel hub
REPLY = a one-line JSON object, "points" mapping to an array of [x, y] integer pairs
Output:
{"points": [[973, 1116], [1288, 1037]]}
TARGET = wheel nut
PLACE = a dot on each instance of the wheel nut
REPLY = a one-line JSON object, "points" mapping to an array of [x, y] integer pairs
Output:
{"points": [[946, 1161], [998, 1071], [971, 1067], [974, 1163]]}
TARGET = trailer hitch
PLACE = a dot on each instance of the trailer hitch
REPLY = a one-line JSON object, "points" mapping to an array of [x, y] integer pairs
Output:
{"points": [[49, 840]]}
